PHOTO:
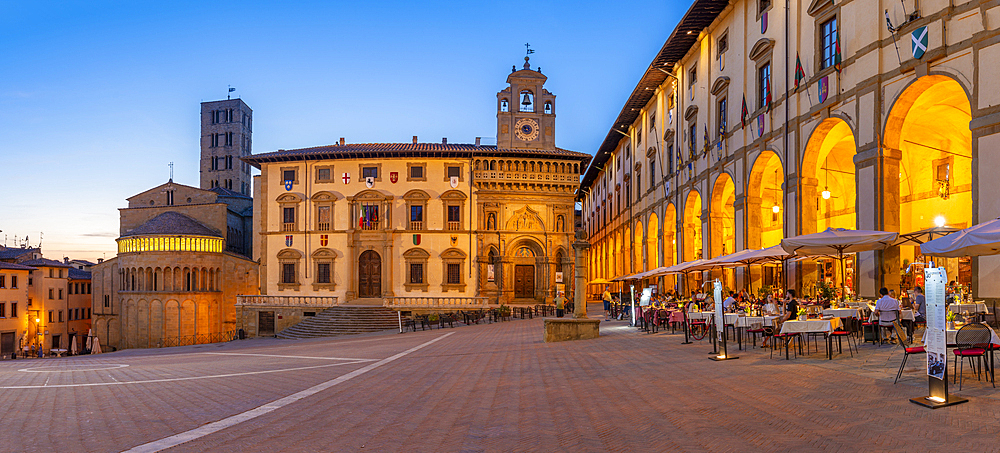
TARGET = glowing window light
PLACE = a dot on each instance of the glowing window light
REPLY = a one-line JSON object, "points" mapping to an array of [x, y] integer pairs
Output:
{"points": [[939, 221]]}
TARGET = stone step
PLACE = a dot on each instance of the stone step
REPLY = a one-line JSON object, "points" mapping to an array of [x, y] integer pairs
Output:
{"points": [[343, 321]]}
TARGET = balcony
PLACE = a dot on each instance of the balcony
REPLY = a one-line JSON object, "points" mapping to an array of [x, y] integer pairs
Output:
{"points": [[287, 301], [323, 226], [370, 225], [288, 226], [416, 225], [454, 226]]}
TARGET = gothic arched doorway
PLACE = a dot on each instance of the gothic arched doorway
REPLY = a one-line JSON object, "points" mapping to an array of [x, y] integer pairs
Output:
{"points": [[369, 274]]}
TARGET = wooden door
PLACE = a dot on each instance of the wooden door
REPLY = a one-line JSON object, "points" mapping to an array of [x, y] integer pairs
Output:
{"points": [[524, 281], [6, 343], [369, 274], [265, 323]]}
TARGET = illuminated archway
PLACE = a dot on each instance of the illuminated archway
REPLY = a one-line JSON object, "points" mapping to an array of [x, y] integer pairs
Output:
{"points": [[722, 220], [765, 202], [692, 236], [829, 193], [628, 256], [652, 242], [670, 243], [928, 151], [637, 247]]}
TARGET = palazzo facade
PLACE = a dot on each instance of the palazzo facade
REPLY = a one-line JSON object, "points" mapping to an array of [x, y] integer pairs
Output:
{"points": [[756, 122], [370, 222]]}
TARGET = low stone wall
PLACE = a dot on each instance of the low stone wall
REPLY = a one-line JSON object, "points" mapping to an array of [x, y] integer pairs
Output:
{"points": [[567, 329], [284, 317]]}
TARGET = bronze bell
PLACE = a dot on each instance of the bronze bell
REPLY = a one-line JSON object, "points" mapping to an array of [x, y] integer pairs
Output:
{"points": [[526, 101]]}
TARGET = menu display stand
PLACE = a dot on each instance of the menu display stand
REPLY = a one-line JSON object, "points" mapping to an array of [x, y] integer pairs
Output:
{"points": [[720, 321], [936, 343]]}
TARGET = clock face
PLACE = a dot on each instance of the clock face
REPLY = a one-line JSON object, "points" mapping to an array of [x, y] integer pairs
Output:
{"points": [[526, 129]]}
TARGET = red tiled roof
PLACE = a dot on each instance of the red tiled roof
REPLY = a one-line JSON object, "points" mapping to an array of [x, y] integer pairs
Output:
{"points": [[15, 267], [381, 150]]}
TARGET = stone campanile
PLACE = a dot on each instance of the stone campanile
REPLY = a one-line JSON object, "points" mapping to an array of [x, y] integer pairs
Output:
{"points": [[226, 128], [526, 111]]}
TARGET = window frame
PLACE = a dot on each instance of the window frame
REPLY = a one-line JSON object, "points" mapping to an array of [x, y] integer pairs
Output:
{"points": [[328, 168], [409, 171], [289, 257], [378, 171], [327, 257], [821, 36], [281, 175], [452, 256], [461, 171], [416, 255]]}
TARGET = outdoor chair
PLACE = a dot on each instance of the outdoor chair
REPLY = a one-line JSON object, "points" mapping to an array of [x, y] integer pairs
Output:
{"points": [[754, 330], [785, 338], [409, 324], [991, 312], [847, 333], [968, 340], [908, 349]]}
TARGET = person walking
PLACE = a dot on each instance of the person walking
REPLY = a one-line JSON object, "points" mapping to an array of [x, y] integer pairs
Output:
{"points": [[607, 302]]}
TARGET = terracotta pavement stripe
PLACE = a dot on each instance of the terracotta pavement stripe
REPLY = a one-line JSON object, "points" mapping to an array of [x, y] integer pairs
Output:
{"points": [[210, 428]]}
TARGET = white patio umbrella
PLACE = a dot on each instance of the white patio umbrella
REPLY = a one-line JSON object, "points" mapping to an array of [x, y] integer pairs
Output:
{"points": [[97, 346], [72, 346], [90, 339], [982, 239], [838, 241], [928, 234]]}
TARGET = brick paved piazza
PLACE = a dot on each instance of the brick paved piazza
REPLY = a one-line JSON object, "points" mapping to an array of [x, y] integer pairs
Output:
{"points": [[490, 387]]}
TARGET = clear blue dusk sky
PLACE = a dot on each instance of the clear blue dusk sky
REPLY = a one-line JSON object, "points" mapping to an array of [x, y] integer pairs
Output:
{"points": [[97, 97]]}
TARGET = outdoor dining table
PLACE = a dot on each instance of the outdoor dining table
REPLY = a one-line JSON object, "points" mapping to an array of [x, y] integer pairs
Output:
{"points": [[905, 314], [977, 307], [843, 312], [824, 326], [950, 335]]}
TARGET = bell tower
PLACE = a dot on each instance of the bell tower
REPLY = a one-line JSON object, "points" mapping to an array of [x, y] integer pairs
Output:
{"points": [[526, 111]]}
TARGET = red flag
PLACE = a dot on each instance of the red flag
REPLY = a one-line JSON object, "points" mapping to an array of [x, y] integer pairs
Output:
{"points": [[767, 93], [836, 55], [744, 113], [799, 72]]}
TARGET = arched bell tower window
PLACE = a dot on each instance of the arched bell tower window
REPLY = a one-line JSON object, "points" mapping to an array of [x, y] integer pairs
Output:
{"points": [[527, 101], [504, 105], [548, 107]]}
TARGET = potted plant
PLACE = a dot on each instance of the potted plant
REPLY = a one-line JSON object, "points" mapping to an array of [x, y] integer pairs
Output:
{"points": [[802, 314], [951, 320]]}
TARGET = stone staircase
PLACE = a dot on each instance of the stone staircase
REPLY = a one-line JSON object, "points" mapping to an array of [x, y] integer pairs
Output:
{"points": [[343, 321]]}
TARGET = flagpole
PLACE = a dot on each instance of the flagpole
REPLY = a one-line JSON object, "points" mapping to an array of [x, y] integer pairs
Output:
{"points": [[892, 31]]}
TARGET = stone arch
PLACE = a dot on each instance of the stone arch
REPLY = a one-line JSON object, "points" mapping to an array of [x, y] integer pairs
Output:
{"points": [[722, 221], [927, 165], [188, 321], [637, 247], [828, 177], [765, 191], [171, 322], [652, 241]]}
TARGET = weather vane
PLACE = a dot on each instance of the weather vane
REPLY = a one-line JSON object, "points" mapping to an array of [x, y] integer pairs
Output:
{"points": [[528, 48]]}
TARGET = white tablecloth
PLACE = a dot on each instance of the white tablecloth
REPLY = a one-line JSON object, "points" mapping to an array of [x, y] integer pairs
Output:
{"points": [[748, 321], [971, 308], [950, 336], [812, 325], [904, 315], [843, 312]]}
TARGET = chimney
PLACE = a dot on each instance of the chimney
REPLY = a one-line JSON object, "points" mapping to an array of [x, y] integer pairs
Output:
{"points": [[414, 139], [65, 260], [444, 140], [341, 141], [477, 141], [100, 260]]}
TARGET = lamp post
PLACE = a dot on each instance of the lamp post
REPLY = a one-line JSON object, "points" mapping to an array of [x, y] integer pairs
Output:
{"points": [[38, 333]]}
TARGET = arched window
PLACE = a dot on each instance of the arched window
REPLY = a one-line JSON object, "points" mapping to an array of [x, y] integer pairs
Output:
{"points": [[527, 101], [548, 107], [503, 105]]}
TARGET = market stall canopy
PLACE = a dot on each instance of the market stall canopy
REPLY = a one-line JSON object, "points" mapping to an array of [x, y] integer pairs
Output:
{"points": [[925, 235], [982, 239], [838, 241], [732, 259]]}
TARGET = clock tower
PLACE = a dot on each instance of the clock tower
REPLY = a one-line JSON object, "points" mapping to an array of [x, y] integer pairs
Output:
{"points": [[526, 111]]}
